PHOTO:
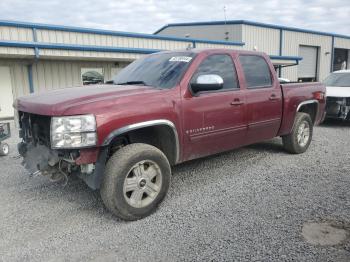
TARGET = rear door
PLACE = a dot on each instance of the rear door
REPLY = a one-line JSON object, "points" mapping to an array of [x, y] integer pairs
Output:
{"points": [[214, 121], [263, 98]]}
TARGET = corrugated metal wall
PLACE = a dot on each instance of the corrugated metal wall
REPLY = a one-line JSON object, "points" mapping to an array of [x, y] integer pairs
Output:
{"points": [[211, 32], [341, 43], [48, 75], [16, 33], [264, 39], [57, 36], [291, 43], [205, 45], [87, 55], [58, 68], [19, 76]]}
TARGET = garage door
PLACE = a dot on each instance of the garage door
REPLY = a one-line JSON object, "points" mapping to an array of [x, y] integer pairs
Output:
{"points": [[6, 97], [308, 66]]}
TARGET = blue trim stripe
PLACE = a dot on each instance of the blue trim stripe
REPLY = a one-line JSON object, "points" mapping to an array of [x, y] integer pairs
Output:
{"points": [[282, 57], [78, 47], [35, 38], [280, 52], [30, 78], [110, 32], [246, 22], [104, 48], [332, 54]]}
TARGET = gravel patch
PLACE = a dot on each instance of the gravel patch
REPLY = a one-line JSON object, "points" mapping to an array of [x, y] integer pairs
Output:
{"points": [[249, 204]]}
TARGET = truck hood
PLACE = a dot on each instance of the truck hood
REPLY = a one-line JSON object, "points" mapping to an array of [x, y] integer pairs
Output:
{"points": [[87, 98], [338, 91]]}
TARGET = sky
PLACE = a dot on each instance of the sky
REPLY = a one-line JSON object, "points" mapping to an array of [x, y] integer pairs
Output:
{"points": [[147, 16]]}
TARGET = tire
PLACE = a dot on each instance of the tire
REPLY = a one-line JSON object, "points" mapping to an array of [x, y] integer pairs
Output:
{"points": [[298, 142], [4, 149], [143, 170]]}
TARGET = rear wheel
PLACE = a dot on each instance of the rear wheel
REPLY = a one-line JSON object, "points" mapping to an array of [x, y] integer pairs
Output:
{"points": [[299, 139], [4, 149], [136, 180]]}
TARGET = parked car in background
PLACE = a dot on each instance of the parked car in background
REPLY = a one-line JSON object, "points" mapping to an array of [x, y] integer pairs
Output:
{"points": [[161, 110], [338, 95]]}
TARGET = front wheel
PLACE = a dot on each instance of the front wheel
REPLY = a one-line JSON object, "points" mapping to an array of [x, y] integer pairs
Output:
{"points": [[299, 139], [136, 180]]}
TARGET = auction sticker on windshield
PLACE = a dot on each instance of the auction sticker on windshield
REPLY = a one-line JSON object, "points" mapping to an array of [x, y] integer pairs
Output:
{"points": [[185, 59]]}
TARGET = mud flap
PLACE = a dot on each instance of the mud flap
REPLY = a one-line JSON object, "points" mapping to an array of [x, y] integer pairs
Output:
{"points": [[94, 180]]}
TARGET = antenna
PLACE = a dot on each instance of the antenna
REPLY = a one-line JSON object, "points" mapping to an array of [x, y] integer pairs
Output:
{"points": [[225, 13], [226, 31]]}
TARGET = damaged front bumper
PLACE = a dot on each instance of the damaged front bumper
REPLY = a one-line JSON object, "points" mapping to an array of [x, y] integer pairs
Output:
{"points": [[88, 164], [338, 107], [57, 164]]}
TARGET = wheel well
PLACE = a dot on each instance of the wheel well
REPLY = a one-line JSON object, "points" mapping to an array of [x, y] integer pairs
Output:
{"points": [[160, 136], [310, 109]]}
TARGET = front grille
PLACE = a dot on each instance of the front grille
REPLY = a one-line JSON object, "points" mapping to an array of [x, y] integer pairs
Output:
{"points": [[35, 128], [338, 100]]}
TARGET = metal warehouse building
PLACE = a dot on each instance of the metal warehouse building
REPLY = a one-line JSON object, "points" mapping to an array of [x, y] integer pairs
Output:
{"points": [[321, 52], [38, 57]]}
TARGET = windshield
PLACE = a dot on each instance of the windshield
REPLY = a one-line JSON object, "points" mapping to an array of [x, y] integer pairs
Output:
{"points": [[338, 79], [162, 70]]}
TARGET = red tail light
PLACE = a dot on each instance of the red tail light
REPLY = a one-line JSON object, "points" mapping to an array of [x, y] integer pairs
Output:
{"points": [[320, 96]]}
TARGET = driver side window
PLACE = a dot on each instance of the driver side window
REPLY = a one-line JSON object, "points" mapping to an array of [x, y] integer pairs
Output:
{"points": [[221, 65]]}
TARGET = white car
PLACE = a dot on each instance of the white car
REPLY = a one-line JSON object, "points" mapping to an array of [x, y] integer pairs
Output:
{"points": [[338, 95]]}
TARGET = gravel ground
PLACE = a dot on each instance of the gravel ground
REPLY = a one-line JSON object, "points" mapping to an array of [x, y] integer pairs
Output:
{"points": [[249, 205]]}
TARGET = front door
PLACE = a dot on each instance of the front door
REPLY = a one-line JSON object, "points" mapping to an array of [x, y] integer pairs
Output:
{"points": [[6, 96], [263, 98], [214, 121]]}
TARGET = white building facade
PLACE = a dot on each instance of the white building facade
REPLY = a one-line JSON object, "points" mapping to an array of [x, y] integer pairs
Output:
{"points": [[38, 57], [321, 52]]}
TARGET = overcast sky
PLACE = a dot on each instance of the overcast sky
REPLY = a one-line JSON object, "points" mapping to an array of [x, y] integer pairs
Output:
{"points": [[148, 16]]}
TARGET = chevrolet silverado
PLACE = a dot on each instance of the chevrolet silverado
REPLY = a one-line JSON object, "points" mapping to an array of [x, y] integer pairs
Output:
{"points": [[166, 108]]}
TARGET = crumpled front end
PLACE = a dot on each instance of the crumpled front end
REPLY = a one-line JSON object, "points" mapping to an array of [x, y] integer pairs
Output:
{"points": [[57, 164], [338, 107]]}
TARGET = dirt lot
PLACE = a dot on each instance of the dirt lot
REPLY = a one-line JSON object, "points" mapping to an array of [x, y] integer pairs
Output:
{"points": [[249, 204]]}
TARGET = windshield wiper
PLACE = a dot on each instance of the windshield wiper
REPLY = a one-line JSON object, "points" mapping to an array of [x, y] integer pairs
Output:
{"points": [[133, 83]]}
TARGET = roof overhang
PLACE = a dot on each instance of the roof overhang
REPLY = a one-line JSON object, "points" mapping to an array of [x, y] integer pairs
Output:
{"points": [[285, 60]]}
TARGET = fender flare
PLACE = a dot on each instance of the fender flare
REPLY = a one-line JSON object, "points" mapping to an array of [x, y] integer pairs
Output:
{"points": [[135, 126], [312, 101]]}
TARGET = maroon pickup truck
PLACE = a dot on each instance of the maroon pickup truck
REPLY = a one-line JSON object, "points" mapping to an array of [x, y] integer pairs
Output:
{"points": [[161, 110]]}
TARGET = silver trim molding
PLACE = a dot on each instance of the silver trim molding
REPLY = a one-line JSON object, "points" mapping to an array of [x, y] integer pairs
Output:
{"points": [[313, 101], [136, 126]]}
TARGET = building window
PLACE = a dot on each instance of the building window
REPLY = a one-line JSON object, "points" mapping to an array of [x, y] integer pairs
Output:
{"points": [[91, 76], [341, 59], [256, 71]]}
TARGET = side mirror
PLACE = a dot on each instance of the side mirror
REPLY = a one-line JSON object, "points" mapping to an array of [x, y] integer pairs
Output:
{"points": [[207, 83]]}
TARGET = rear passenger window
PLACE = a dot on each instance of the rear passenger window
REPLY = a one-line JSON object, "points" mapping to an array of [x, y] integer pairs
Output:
{"points": [[256, 71], [221, 65]]}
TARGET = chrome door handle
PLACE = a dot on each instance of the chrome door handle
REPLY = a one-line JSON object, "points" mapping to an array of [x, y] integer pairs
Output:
{"points": [[237, 102], [273, 97]]}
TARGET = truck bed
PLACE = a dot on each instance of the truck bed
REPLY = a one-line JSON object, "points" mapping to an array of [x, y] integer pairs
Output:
{"points": [[295, 95]]}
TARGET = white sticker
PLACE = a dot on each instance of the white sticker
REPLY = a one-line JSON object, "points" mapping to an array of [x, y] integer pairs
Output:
{"points": [[185, 59]]}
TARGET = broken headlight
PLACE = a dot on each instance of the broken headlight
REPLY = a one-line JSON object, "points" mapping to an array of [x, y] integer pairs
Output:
{"points": [[73, 131]]}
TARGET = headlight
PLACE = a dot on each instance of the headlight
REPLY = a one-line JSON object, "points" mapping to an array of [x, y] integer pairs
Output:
{"points": [[73, 131]]}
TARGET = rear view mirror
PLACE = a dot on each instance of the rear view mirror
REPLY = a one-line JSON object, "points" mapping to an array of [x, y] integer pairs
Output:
{"points": [[207, 83]]}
